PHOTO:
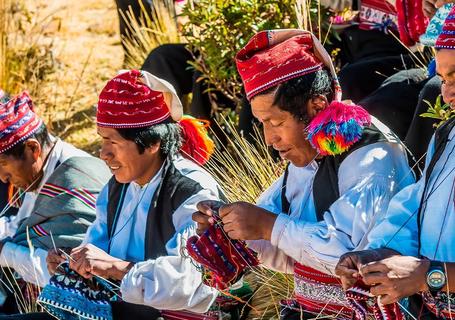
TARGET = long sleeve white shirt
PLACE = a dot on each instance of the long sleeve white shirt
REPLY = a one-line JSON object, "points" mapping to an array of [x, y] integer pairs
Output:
{"points": [[398, 229], [169, 282], [31, 264], [367, 180]]}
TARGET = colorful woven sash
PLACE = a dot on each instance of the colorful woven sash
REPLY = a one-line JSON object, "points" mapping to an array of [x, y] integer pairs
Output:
{"points": [[320, 293], [223, 260], [443, 305], [377, 15], [363, 302]]}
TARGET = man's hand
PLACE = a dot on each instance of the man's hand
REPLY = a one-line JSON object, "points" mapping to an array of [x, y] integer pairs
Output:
{"points": [[396, 277], [204, 215], [54, 258], [245, 221], [350, 263], [429, 8], [440, 3], [89, 260]]}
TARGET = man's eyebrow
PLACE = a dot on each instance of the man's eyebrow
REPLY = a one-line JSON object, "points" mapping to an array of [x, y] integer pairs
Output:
{"points": [[448, 75]]}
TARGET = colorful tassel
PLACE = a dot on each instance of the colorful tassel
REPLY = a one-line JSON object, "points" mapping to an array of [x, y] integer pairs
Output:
{"points": [[335, 129], [197, 144]]}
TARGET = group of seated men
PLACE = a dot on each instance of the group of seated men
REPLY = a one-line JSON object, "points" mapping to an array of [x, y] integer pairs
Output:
{"points": [[346, 213]]}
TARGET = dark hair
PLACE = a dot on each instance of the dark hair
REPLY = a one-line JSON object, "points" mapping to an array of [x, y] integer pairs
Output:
{"points": [[168, 134], [41, 135], [293, 95]]}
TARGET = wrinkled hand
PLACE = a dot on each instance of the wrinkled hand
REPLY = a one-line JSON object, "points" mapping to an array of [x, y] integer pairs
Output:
{"points": [[54, 258], [89, 260], [350, 263], [396, 277], [204, 215], [245, 221], [429, 8]]}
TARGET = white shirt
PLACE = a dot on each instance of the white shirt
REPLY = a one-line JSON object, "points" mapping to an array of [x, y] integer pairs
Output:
{"points": [[398, 229], [169, 282], [367, 180], [21, 258]]}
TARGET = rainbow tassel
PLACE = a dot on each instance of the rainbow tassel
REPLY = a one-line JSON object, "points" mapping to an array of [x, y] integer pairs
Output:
{"points": [[197, 144], [335, 129]]}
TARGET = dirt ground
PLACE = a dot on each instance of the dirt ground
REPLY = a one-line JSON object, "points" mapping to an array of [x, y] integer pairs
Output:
{"points": [[87, 47]]}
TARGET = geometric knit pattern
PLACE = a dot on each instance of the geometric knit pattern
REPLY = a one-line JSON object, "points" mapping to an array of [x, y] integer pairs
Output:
{"points": [[70, 296], [126, 102], [363, 303], [435, 26], [446, 39], [17, 121]]}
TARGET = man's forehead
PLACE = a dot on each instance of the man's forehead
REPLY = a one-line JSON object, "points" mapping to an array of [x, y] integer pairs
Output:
{"points": [[445, 62], [108, 133]]}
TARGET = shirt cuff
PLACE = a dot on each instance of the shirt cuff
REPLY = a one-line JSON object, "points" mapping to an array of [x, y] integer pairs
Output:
{"points": [[8, 254], [279, 228], [132, 283]]}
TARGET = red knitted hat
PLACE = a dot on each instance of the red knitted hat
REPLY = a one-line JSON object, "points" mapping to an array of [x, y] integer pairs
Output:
{"points": [[446, 39], [276, 56], [136, 99], [17, 121]]}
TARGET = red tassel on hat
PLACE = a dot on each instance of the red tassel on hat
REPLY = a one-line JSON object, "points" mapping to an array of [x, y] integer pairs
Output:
{"points": [[197, 144]]}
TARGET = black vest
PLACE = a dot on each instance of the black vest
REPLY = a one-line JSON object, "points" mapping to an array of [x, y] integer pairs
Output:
{"points": [[174, 188], [325, 183]]}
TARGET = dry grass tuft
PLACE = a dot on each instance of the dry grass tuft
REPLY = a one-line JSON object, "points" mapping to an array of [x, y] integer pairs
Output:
{"points": [[62, 52], [26, 58], [244, 170], [149, 31]]}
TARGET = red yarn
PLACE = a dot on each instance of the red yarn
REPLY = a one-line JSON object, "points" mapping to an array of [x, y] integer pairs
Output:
{"points": [[412, 23], [197, 145]]}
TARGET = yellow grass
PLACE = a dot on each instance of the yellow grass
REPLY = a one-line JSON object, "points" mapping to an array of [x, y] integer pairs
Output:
{"points": [[80, 42], [149, 31]]}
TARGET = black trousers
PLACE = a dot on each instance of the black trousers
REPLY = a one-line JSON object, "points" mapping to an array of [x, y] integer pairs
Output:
{"points": [[367, 58], [124, 310], [400, 101], [394, 102]]}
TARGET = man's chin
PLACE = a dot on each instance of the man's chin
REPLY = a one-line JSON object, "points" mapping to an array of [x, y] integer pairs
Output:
{"points": [[121, 179]]}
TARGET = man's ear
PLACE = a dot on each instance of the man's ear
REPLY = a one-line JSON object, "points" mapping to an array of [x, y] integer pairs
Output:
{"points": [[33, 147], [154, 148]]}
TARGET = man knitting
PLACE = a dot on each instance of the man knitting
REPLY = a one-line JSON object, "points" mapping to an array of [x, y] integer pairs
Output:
{"points": [[58, 185], [411, 248], [332, 189], [144, 212]]}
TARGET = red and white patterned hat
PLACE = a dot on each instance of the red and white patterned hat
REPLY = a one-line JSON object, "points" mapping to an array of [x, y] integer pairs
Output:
{"points": [[276, 56], [17, 121], [136, 99], [446, 39]]}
